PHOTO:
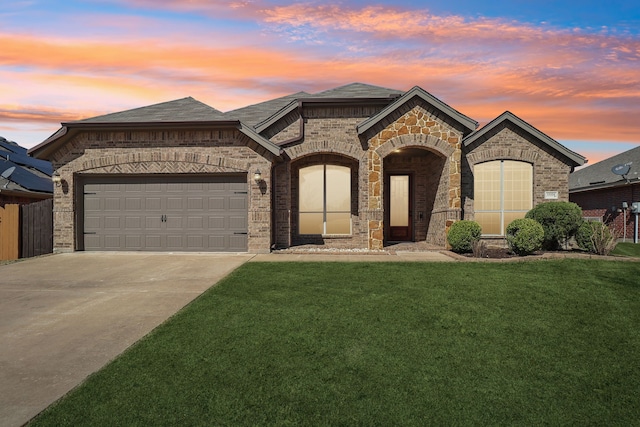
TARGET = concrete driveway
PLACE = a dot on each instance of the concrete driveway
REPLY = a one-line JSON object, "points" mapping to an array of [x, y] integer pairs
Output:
{"points": [[64, 316]]}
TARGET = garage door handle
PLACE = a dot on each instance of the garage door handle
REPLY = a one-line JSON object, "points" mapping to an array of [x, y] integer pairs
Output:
{"points": [[240, 232]]}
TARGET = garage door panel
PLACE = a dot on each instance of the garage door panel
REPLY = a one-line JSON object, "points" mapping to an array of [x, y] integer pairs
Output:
{"points": [[217, 223], [92, 204], [112, 204], [238, 243], [151, 187], [112, 223], [152, 241], [153, 223], [175, 204], [217, 203], [133, 204], [133, 242], [166, 213], [112, 242], [196, 242], [92, 222], [195, 203], [237, 223], [238, 203], [93, 241], [153, 204], [133, 222], [175, 242], [195, 223]]}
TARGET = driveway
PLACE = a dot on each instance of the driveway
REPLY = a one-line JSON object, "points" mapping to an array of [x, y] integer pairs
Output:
{"points": [[64, 316]]}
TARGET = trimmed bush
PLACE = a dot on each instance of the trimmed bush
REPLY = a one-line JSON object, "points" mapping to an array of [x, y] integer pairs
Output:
{"points": [[462, 235], [525, 236], [584, 236], [595, 237], [560, 221]]}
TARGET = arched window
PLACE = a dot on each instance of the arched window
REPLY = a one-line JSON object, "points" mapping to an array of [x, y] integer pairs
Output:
{"points": [[325, 200], [503, 192]]}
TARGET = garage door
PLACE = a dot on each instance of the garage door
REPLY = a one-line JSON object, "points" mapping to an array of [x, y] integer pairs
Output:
{"points": [[207, 213]]}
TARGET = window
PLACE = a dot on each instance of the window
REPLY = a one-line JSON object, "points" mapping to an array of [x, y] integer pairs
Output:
{"points": [[503, 192], [325, 200]]}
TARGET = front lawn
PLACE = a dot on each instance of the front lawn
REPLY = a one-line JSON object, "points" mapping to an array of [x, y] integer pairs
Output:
{"points": [[530, 343], [627, 249]]}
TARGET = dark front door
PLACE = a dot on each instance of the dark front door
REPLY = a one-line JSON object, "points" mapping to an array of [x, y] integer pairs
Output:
{"points": [[399, 208]]}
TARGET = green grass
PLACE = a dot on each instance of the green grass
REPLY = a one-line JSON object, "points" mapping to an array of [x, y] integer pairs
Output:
{"points": [[627, 249], [531, 343]]}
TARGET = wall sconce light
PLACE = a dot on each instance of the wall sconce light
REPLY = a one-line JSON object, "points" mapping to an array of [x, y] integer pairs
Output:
{"points": [[56, 178], [257, 176]]}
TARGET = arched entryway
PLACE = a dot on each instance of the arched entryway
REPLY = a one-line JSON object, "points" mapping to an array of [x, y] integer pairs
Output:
{"points": [[416, 190]]}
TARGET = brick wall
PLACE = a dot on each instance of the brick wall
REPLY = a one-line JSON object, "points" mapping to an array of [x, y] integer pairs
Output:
{"points": [[508, 142], [606, 204], [167, 152]]}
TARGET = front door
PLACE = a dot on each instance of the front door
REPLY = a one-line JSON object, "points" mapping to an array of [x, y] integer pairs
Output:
{"points": [[399, 207]]}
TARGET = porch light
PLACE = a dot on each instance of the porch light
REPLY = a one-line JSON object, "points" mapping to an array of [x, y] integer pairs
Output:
{"points": [[56, 178], [257, 176]]}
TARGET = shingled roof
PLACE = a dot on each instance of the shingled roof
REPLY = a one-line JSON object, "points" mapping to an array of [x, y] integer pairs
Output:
{"points": [[256, 113], [185, 109], [359, 90], [599, 175]]}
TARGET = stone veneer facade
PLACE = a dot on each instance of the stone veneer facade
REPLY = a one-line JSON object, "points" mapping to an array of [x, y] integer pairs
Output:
{"points": [[332, 131]]}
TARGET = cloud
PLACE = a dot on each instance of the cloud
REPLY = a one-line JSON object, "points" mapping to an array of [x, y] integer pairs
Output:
{"points": [[567, 82], [19, 113]]}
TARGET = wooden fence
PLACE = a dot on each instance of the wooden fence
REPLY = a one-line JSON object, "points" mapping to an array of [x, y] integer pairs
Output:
{"points": [[26, 230], [9, 232], [37, 228]]}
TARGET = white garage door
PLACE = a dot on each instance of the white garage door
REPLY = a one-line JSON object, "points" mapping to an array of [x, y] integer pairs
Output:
{"points": [[167, 213]]}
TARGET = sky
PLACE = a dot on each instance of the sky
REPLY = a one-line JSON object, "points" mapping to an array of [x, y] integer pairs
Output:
{"points": [[569, 68]]}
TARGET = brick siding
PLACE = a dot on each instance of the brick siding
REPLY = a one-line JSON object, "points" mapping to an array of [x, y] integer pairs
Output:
{"points": [[606, 204], [168, 152]]}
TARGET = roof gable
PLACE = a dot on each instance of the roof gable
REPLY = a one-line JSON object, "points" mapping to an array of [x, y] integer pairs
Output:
{"points": [[186, 112], [599, 175], [180, 110], [425, 96], [508, 116]]}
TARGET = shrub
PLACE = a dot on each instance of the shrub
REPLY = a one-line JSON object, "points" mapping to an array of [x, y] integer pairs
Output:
{"points": [[462, 234], [525, 236], [584, 236], [560, 221], [596, 237]]}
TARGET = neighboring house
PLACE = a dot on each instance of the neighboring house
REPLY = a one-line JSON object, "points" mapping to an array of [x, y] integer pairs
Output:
{"points": [[23, 179], [357, 166], [601, 193]]}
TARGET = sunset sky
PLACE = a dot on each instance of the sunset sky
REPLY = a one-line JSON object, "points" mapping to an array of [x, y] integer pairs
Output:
{"points": [[570, 68]]}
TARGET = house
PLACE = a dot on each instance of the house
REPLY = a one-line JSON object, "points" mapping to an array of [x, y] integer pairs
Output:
{"points": [[603, 190], [23, 179], [357, 166]]}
